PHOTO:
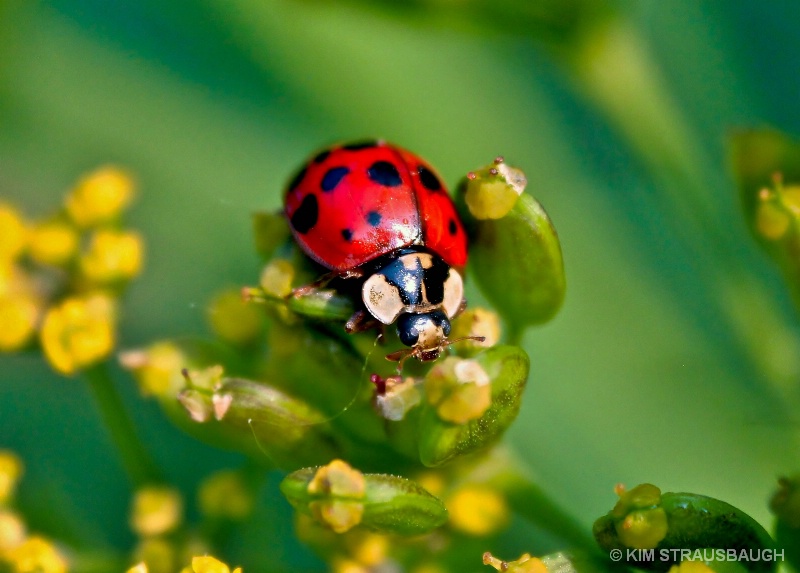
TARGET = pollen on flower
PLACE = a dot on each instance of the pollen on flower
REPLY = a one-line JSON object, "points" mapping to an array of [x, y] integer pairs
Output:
{"points": [[100, 196], [397, 398], [459, 389], [12, 233], [112, 256], [340, 487], [208, 564], [478, 510], [476, 321], [78, 332], [156, 510], [52, 242], [11, 469], [37, 554]]}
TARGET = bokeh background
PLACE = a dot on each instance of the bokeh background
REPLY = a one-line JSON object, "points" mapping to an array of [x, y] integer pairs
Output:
{"points": [[675, 359]]}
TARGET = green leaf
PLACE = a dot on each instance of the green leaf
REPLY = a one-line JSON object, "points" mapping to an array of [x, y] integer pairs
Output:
{"points": [[441, 442], [517, 263], [391, 504]]}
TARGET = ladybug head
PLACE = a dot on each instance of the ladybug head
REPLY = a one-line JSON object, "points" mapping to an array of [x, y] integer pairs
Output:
{"points": [[425, 333]]}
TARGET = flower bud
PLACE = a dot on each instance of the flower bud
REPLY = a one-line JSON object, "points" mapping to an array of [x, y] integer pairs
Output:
{"points": [[208, 564], [156, 510], [442, 440], [475, 322], [270, 231], [19, 313], [100, 196], [491, 192], [113, 257], [157, 368], [517, 264], [342, 497], [394, 397], [13, 234], [12, 531], [52, 242], [37, 554], [525, 564], [478, 510]]}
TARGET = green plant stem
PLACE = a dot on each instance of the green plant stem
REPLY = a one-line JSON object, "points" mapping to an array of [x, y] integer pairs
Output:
{"points": [[138, 464]]}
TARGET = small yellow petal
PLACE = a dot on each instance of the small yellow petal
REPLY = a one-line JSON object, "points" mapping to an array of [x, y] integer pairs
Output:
{"points": [[100, 196], [12, 531], [156, 510], [157, 369], [338, 479]]}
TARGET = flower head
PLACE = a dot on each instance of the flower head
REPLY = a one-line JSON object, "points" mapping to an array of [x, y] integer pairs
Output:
{"points": [[113, 256], [78, 332], [156, 510], [100, 196]]}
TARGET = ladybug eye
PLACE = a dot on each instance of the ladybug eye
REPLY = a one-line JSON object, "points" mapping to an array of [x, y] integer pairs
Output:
{"points": [[407, 329]]}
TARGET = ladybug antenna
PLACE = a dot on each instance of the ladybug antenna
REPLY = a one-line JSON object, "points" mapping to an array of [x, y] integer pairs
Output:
{"points": [[463, 338]]}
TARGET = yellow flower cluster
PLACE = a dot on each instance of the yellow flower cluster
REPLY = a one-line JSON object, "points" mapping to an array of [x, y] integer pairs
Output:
{"points": [[21, 552], [200, 564], [60, 276]]}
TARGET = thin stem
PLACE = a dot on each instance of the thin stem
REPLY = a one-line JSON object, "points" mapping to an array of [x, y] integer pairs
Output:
{"points": [[138, 463]]}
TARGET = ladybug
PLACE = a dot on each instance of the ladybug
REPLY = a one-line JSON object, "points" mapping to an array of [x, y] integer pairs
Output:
{"points": [[378, 213]]}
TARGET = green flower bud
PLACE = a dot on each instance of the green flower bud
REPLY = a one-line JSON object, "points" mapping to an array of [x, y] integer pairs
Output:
{"points": [[441, 441], [342, 498], [644, 519], [492, 191], [517, 264]]}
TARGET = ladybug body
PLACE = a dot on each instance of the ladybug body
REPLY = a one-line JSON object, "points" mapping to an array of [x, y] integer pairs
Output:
{"points": [[378, 212]]}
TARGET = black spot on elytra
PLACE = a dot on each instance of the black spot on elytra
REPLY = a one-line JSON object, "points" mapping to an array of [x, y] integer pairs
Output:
{"points": [[384, 173], [347, 234], [306, 215], [452, 227], [360, 145], [298, 177], [428, 179], [332, 177], [322, 156], [374, 218]]}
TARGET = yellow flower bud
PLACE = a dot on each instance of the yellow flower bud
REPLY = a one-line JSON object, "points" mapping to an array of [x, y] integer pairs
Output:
{"points": [[100, 196], [277, 277], [140, 567], [477, 510], [225, 494], [157, 369], [368, 549], [690, 567], [475, 321], [12, 531], [11, 469], [12, 233], [208, 564], [52, 242], [156, 510], [36, 555], [113, 256], [19, 313], [78, 332]]}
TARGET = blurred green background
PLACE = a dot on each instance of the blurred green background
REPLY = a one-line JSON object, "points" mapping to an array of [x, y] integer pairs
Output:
{"points": [[676, 358]]}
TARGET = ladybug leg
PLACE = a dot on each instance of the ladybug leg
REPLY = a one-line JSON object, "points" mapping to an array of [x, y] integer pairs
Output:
{"points": [[361, 321], [323, 281]]}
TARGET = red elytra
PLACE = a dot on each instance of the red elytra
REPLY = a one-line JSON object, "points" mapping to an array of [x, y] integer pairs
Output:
{"points": [[353, 203]]}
